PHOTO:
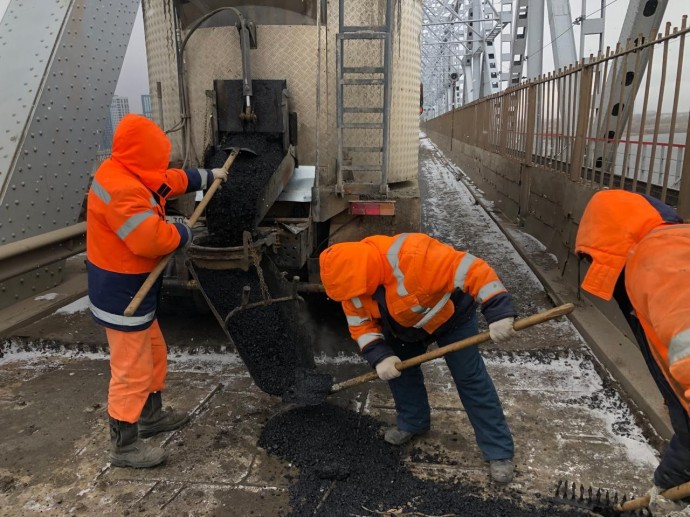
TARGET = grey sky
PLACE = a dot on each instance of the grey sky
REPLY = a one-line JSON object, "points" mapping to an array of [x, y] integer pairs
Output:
{"points": [[133, 80]]}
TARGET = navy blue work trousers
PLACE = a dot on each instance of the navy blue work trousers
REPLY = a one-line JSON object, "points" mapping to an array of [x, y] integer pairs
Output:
{"points": [[674, 468], [474, 385]]}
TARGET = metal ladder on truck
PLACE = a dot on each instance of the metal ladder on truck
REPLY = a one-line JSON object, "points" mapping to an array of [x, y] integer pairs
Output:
{"points": [[363, 127]]}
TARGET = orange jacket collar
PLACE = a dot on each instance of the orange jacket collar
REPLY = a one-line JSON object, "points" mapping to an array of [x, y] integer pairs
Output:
{"points": [[142, 148], [611, 226]]}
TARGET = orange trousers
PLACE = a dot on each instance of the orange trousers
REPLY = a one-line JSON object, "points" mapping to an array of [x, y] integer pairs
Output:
{"points": [[138, 366]]}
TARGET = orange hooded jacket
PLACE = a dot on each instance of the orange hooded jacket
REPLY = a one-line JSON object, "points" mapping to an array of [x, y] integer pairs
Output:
{"points": [[126, 230], [418, 275], [626, 231]]}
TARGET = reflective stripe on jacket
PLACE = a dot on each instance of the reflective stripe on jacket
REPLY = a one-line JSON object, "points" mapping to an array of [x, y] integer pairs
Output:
{"points": [[623, 230], [418, 273], [126, 231]]}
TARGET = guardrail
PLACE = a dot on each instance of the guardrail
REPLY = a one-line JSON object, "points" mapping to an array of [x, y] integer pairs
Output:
{"points": [[611, 121], [17, 258]]}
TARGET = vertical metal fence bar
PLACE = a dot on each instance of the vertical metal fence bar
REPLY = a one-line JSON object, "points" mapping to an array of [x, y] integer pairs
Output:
{"points": [[684, 188], [568, 159], [486, 115], [521, 132], [513, 121], [561, 118], [490, 123], [530, 123], [523, 122], [541, 96], [592, 127], [516, 124], [600, 121], [573, 110], [643, 117], [554, 120], [510, 126], [583, 119], [497, 121], [504, 124], [626, 150], [674, 113], [607, 119], [657, 121], [619, 123], [545, 120]]}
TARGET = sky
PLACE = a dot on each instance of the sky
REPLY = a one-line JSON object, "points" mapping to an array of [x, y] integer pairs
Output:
{"points": [[133, 80]]}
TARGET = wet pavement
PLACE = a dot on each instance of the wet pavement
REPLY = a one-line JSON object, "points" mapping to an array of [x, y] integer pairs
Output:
{"points": [[567, 417]]}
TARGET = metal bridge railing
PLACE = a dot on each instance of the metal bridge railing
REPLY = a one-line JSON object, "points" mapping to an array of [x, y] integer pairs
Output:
{"points": [[612, 121]]}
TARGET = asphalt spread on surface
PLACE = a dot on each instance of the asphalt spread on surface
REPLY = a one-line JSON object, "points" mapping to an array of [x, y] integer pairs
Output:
{"points": [[346, 468]]}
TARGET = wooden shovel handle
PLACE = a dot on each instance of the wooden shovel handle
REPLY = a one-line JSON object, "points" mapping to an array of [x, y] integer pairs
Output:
{"points": [[674, 494], [158, 269], [523, 323]]}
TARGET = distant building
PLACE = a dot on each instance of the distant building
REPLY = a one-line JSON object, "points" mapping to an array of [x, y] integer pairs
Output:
{"points": [[146, 106], [119, 107]]}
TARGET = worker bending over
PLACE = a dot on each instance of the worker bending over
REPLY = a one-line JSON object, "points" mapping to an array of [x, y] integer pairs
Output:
{"points": [[639, 252], [126, 235], [402, 293]]}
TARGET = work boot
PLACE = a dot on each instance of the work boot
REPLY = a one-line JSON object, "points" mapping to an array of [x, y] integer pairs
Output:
{"points": [[395, 436], [154, 419], [501, 470], [128, 450]]}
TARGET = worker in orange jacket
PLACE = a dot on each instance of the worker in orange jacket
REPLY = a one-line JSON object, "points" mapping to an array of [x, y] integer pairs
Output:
{"points": [[639, 252], [126, 235], [402, 293]]}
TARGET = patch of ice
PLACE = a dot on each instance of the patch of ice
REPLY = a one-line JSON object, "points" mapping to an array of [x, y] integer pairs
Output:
{"points": [[79, 305], [47, 296], [35, 355], [206, 363], [525, 238], [578, 384], [341, 358]]}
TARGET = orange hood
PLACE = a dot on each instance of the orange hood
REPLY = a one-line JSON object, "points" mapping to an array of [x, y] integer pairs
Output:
{"points": [[350, 269], [613, 223], [143, 149]]}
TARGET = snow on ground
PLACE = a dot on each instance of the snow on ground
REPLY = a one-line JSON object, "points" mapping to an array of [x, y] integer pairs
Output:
{"points": [[567, 379], [47, 296], [451, 213], [79, 305]]}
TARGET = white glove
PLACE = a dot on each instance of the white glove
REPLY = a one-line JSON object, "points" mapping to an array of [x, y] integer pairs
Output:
{"points": [[221, 174], [502, 330], [386, 369], [662, 506]]}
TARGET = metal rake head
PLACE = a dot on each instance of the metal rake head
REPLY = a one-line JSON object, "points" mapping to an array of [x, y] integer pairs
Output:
{"points": [[598, 501]]}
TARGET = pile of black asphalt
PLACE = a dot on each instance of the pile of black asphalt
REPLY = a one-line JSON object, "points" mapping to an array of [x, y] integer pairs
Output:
{"points": [[269, 338], [346, 468], [234, 207]]}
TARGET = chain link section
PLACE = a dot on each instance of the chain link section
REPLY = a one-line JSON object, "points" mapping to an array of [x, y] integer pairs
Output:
{"points": [[256, 259]]}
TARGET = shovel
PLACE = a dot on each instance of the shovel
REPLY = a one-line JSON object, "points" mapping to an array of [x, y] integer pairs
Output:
{"points": [[156, 272], [312, 388], [675, 493], [600, 502], [244, 150]]}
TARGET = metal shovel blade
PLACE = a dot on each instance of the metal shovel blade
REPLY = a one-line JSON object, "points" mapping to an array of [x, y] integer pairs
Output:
{"points": [[242, 150]]}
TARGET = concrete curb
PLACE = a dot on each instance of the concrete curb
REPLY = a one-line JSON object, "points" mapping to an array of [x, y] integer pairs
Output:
{"points": [[619, 355]]}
